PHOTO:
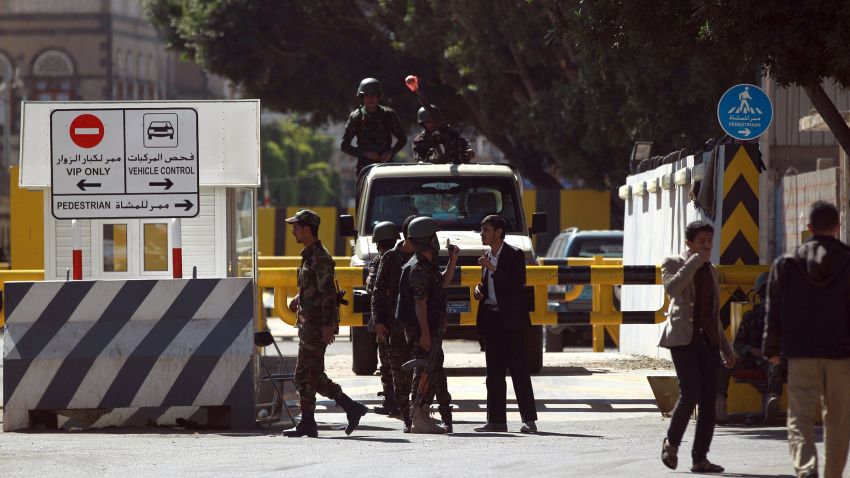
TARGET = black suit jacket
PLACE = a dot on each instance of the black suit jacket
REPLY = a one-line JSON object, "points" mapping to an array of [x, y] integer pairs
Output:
{"points": [[509, 282]]}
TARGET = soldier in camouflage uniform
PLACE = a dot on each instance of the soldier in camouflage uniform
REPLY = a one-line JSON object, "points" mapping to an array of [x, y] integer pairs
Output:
{"points": [[385, 236], [373, 125], [439, 142], [423, 285], [318, 320], [392, 344]]}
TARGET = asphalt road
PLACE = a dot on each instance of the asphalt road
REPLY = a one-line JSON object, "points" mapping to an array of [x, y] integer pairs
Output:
{"points": [[597, 418]]}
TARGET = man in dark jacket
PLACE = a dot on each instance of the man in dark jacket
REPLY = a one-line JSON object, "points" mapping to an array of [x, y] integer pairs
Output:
{"points": [[808, 322], [503, 319]]}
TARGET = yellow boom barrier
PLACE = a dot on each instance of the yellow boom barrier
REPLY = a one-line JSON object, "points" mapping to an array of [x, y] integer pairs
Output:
{"points": [[601, 277]]}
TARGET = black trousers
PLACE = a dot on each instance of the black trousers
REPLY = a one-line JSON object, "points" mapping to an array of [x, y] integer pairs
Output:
{"points": [[506, 350], [697, 367]]}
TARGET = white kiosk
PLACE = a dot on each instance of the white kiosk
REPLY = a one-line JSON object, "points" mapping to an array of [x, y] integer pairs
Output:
{"points": [[132, 190], [123, 170]]}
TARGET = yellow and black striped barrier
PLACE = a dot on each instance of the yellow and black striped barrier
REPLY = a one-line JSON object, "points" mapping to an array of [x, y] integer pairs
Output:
{"points": [[463, 310]]}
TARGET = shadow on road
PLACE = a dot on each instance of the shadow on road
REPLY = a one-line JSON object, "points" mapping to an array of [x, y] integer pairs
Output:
{"points": [[760, 433], [546, 371], [369, 439], [750, 475], [485, 435]]}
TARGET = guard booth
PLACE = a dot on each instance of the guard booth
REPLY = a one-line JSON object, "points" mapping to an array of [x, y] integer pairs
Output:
{"points": [[150, 208], [212, 196]]}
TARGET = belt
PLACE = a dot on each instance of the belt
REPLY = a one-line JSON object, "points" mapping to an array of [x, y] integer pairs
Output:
{"points": [[491, 307]]}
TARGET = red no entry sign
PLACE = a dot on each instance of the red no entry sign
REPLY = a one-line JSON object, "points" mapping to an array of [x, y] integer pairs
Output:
{"points": [[86, 131]]}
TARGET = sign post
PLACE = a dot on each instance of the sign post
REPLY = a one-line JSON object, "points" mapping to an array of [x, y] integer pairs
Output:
{"points": [[124, 163], [745, 112]]}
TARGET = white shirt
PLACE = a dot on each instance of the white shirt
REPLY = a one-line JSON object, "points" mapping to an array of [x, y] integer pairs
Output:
{"points": [[491, 289]]}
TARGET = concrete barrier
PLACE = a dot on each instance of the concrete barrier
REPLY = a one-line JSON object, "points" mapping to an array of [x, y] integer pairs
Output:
{"points": [[128, 349]]}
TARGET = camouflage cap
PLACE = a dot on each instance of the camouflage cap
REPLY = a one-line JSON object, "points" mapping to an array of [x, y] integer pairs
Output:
{"points": [[306, 216]]}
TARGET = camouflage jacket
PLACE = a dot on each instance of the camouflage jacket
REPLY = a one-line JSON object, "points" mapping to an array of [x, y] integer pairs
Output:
{"points": [[385, 294], [317, 306], [426, 282], [456, 148], [370, 286], [373, 131]]}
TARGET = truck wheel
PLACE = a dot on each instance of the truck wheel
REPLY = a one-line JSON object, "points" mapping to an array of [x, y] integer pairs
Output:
{"points": [[554, 340], [534, 346], [364, 351]]}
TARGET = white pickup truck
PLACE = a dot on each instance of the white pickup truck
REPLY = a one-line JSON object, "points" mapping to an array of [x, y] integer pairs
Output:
{"points": [[457, 197]]}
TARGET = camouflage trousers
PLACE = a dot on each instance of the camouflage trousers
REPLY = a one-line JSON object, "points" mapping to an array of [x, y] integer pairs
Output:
{"points": [[393, 353], [310, 377], [437, 383]]}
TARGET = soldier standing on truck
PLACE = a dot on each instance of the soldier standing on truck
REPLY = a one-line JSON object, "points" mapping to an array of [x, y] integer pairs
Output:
{"points": [[393, 348], [439, 142], [373, 125], [385, 236], [318, 320], [422, 309]]}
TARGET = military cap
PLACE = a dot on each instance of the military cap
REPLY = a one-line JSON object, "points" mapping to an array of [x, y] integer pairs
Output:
{"points": [[383, 231], [306, 216], [370, 86], [422, 227]]}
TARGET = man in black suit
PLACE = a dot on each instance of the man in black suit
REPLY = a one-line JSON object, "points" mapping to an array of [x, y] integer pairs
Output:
{"points": [[503, 320]]}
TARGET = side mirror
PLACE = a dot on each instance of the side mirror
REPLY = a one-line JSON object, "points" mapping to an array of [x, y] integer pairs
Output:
{"points": [[346, 226], [539, 223]]}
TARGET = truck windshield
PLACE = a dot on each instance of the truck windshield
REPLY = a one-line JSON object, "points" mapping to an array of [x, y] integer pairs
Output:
{"points": [[457, 204]]}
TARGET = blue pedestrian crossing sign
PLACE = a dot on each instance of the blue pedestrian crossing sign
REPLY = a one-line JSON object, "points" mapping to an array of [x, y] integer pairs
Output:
{"points": [[744, 111]]}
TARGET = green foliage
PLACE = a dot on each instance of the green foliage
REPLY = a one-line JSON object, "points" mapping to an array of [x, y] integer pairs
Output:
{"points": [[701, 47], [562, 87], [295, 167]]}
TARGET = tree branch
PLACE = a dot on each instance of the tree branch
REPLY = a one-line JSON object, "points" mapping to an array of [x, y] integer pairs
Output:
{"points": [[827, 110]]}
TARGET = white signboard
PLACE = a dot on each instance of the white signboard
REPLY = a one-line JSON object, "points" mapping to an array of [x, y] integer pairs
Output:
{"points": [[124, 163]]}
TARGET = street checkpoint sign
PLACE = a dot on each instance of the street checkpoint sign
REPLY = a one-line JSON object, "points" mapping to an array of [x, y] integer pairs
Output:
{"points": [[745, 111], [124, 163]]}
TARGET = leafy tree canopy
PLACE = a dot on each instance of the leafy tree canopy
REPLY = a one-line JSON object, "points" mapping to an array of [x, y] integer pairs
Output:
{"points": [[561, 87], [794, 42], [295, 168]]}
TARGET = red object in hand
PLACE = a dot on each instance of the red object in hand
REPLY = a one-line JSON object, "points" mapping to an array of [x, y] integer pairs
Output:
{"points": [[412, 83]]}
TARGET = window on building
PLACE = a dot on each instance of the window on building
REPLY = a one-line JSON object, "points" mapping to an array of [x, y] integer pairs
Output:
{"points": [[115, 248], [53, 74], [155, 240]]}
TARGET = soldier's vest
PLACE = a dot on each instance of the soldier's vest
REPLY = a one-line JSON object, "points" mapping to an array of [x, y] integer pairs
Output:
{"points": [[405, 310], [406, 307], [373, 130]]}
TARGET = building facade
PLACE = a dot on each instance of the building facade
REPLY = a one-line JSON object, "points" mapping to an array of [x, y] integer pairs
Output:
{"points": [[84, 50]]}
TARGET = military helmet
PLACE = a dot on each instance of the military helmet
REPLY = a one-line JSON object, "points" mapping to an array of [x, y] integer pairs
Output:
{"points": [[370, 86], [424, 115], [422, 228], [761, 282], [383, 231]]}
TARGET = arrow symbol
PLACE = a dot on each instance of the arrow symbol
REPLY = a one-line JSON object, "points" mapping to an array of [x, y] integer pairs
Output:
{"points": [[167, 183], [83, 185], [745, 132], [187, 204]]}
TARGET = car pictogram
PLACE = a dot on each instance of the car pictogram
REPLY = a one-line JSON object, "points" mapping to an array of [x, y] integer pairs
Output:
{"points": [[160, 129]]}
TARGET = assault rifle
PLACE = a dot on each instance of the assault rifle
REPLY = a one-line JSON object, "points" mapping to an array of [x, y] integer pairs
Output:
{"points": [[427, 365]]}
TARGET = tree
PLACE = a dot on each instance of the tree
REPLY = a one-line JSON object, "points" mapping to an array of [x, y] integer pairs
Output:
{"points": [[295, 168], [513, 70], [793, 42]]}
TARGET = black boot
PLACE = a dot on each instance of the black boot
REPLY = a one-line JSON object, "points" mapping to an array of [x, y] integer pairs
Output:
{"points": [[306, 427], [446, 415], [353, 411], [405, 417], [389, 406]]}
